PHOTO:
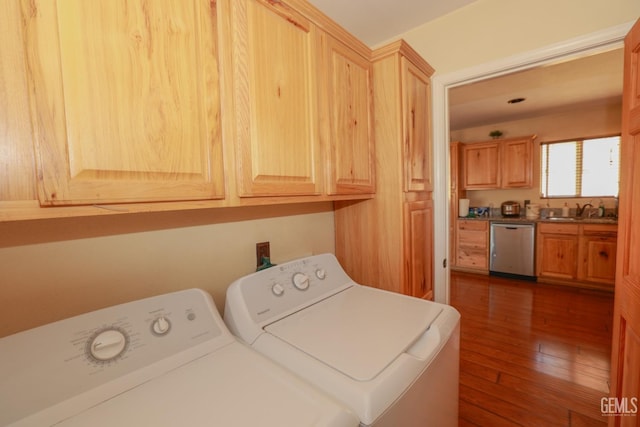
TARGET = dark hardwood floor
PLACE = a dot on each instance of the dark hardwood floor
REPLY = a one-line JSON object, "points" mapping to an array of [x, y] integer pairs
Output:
{"points": [[531, 354]]}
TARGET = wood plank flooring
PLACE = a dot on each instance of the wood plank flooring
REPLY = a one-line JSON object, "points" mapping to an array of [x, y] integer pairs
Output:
{"points": [[531, 354]]}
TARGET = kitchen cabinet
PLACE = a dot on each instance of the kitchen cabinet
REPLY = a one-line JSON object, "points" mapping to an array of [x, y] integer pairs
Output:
{"points": [[505, 163], [557, 251], [130, 104], [418, 229], [516, 163], [472, 245], [387, 242], [275, 79], [480, 165], [125, 100], [347, 118], [597, 253], [584, 253], [416, 125]]}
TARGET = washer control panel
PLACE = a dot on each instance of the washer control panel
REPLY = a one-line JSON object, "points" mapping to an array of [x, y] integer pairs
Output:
{"points": [[277, 291], [82, 353]]}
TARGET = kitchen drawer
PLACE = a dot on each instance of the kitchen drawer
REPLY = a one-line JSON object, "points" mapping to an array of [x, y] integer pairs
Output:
{"points": [[472, 239], [472, 258], [549, 228], [477, 225], [605, 230]]}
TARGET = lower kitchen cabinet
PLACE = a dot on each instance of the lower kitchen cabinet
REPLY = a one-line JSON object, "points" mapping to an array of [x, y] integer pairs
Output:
{"points": [[472, 245], [419, 240], [597, 259], [557, 251], [577, 253]]}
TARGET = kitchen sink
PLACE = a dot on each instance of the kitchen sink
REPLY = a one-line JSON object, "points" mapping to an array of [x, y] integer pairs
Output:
{"points": [[600, 220]]}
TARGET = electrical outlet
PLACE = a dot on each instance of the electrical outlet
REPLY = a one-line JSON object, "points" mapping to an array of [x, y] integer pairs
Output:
{"points": [[262, 250]]}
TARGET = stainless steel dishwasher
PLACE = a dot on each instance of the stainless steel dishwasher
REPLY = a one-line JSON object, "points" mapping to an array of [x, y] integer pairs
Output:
{"points": [[512, 250]]}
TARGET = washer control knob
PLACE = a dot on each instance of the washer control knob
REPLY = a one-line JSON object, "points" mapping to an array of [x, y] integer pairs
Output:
{"points": [[277, 289], [107, 345], [160, 326], [321, 273], [301, 281]]}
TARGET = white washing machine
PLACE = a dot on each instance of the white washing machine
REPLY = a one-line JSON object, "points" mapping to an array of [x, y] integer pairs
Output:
{"points": [[393, 359], [165, 361]]}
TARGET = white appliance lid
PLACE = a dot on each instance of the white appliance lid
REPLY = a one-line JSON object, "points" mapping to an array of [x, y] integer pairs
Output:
{"points": [[233, 387], [359, 331]]}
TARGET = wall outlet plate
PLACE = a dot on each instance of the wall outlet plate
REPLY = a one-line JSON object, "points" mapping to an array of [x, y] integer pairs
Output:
{"points": [[262, 251]]}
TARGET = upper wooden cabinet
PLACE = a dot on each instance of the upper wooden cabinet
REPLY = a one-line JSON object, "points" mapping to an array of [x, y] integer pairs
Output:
{"points": [[275, 98], [480, 165], [125, 100], [347, 118], [416, 130], [516, 164], [193, 103], [506, 163]]}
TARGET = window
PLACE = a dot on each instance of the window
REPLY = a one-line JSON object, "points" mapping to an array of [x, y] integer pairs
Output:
{"points": [[581, 168]]}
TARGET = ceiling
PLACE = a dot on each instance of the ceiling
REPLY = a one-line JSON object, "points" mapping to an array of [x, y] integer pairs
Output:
{"points": [[375, 21], [588, 80]]}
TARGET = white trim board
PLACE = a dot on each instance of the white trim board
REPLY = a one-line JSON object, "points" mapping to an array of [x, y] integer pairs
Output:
{"points": [[570, 49]]}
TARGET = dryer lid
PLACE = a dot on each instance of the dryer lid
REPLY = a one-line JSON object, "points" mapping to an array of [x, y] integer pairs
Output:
{"points": [[359, 331]]}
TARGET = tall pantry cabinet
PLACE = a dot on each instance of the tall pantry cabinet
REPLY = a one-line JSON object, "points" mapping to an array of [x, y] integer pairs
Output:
{"points": [[387, 242]]}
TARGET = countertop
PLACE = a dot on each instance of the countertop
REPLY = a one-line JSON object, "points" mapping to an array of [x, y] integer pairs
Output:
{"points": [[565, 220]]}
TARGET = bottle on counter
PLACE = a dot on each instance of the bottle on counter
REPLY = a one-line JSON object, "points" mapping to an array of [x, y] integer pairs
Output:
{"points": [[601, 208], [565, 210]]}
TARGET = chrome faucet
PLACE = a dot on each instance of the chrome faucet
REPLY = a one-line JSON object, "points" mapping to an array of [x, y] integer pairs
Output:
{"points": [[580, 210]]}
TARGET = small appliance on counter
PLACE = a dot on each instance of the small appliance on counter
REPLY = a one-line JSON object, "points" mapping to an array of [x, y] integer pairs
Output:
{"points": [[463, 207], [510, 209], [532, 211]]}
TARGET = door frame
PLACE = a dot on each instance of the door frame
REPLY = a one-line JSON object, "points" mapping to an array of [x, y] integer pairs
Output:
{"points": [[588, 44]]}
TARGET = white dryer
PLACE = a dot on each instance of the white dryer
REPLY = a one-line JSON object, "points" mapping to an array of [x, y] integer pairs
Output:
{"points": [[165, 361], [393, 359]]}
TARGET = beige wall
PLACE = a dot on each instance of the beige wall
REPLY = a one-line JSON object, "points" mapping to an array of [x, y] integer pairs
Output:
{"points": [[58, 268], [585, 121], [489, 30]]}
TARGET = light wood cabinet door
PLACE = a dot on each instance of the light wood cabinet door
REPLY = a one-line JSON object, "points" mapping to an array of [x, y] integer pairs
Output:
{"points": [[125, 100], [495, 164], [416, 119], [275, 52], [472, 245], [557, 251], [597, 261], [17, 158], [347, 111], [419, 246], [481, 166], [516, 164]]}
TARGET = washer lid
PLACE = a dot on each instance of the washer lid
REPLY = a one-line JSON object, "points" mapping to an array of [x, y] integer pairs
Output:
{"points": [[359, 331]]}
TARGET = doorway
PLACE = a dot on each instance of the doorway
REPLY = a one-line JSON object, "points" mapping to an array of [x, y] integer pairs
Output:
{"points": [[571, 49]]}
